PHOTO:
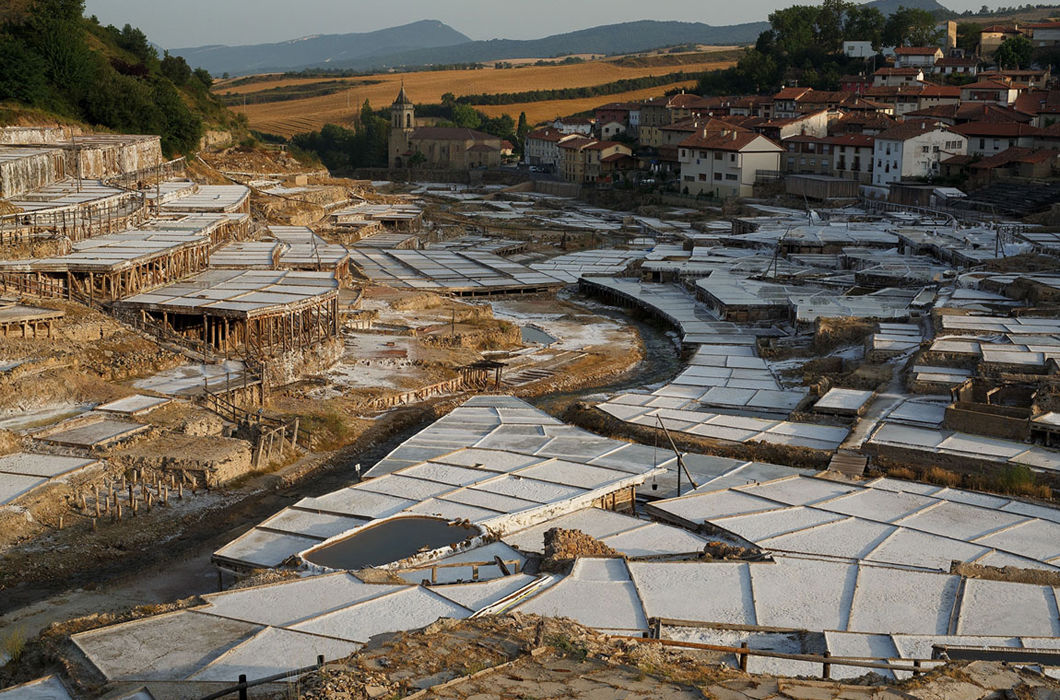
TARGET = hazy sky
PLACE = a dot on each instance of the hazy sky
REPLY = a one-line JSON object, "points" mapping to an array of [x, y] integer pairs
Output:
{"points": [[181, 23]]}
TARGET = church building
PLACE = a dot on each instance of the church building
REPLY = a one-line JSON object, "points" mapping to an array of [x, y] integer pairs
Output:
{"points": [[437, 147]]}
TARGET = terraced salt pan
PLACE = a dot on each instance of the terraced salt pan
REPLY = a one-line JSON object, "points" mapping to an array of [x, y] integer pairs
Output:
{"points": [[288, 603], [895, 600], [598, 593], [272, 651], [404, 609], [994, 608], [721, 592]]}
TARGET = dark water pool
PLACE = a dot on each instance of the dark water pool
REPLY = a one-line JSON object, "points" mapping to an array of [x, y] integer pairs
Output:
{"points": [[389, 541]]}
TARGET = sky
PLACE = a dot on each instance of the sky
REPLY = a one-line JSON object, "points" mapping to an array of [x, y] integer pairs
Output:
{"points": [[185, 23]]}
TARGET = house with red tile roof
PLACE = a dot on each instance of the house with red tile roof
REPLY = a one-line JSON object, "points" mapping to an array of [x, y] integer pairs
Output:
{"points": [[852, 156], [886, 77], [541, 147], [991, 138], [996, 91], [723, 161], [1045, 33], [917, 56], [913, 150]]}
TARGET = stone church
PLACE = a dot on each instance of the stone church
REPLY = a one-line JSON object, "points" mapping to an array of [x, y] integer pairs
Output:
{"points": [[437, 147]]}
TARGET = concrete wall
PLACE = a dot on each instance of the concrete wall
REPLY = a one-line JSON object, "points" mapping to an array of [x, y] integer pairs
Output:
{"points": [[981, 419], [25, 169], [107, 159], [35, 135]]}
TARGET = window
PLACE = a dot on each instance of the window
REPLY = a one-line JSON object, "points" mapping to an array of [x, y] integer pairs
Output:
{"points": [[702, 177], [732, 157], [730, 176], [717, 176], [924, 149], [682, 153], [717, 155], [689, 178]]}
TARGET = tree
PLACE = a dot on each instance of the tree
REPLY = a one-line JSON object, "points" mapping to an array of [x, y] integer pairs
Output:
{"points": [[795, 28], [53, 30], [176, 69], [911, 26], [968, 36], [1014, 52], [467, 116], [135, 42], [761, 71], [831, 17], [522, 129], [204, 77], [865, 24], [22, 77]]}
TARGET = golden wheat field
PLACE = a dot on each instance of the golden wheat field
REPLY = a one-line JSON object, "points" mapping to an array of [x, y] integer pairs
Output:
{"points": [[309, 114]]}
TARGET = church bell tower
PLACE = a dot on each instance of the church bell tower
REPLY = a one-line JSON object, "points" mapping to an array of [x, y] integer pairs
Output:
{"points": [[402, 124]]}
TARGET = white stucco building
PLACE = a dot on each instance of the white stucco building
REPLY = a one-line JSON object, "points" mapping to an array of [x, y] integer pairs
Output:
{"points": [[913, 149]]}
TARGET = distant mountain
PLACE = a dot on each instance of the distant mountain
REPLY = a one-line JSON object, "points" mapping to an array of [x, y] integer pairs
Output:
{"points": [[431, 42], [889, 7], [628, 37], [321, 50]]}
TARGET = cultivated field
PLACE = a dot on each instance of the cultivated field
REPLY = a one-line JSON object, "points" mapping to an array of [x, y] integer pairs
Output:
{"points": [[294, 116]]}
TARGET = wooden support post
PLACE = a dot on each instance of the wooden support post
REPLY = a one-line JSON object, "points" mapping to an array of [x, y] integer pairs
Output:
{"points": [[743, 657], [826, 668]]}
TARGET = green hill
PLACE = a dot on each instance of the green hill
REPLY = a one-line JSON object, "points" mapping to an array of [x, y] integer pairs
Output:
{"points": [[57, 62]]}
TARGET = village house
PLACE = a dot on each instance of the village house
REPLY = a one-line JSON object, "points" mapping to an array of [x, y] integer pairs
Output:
{"points": [[996, 91], [852, 156], [1045, 34], [990, 38], [913, 150], [574, 125], [957, 65], [541, 147], [889, 77], [724, 161], [991, 138], [664, 111], [917, 57], [807, 155]]}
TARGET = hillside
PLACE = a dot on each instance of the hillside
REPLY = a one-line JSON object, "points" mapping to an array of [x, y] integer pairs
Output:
{"points": [[623, 38], [309, 113], [430, 42], [889, 7], [434, 46], [60, 66], [328, 49]]}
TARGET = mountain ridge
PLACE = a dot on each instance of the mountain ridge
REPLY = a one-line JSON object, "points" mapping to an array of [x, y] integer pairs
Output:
{"points": [[432, 42]]}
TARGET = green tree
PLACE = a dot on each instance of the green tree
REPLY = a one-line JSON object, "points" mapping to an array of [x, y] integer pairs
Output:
{"points": [[176, 69], [831, 17], [761, 71], [865, 24], [911, 26], [1014, 52], [522, 129], [53, 30], [467, 116], [22, 77], [968, 36], [204, 77], [795, 28], [135, 42]]}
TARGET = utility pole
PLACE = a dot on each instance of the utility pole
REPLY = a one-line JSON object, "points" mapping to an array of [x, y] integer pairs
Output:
{"points": [[680, 459]]}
